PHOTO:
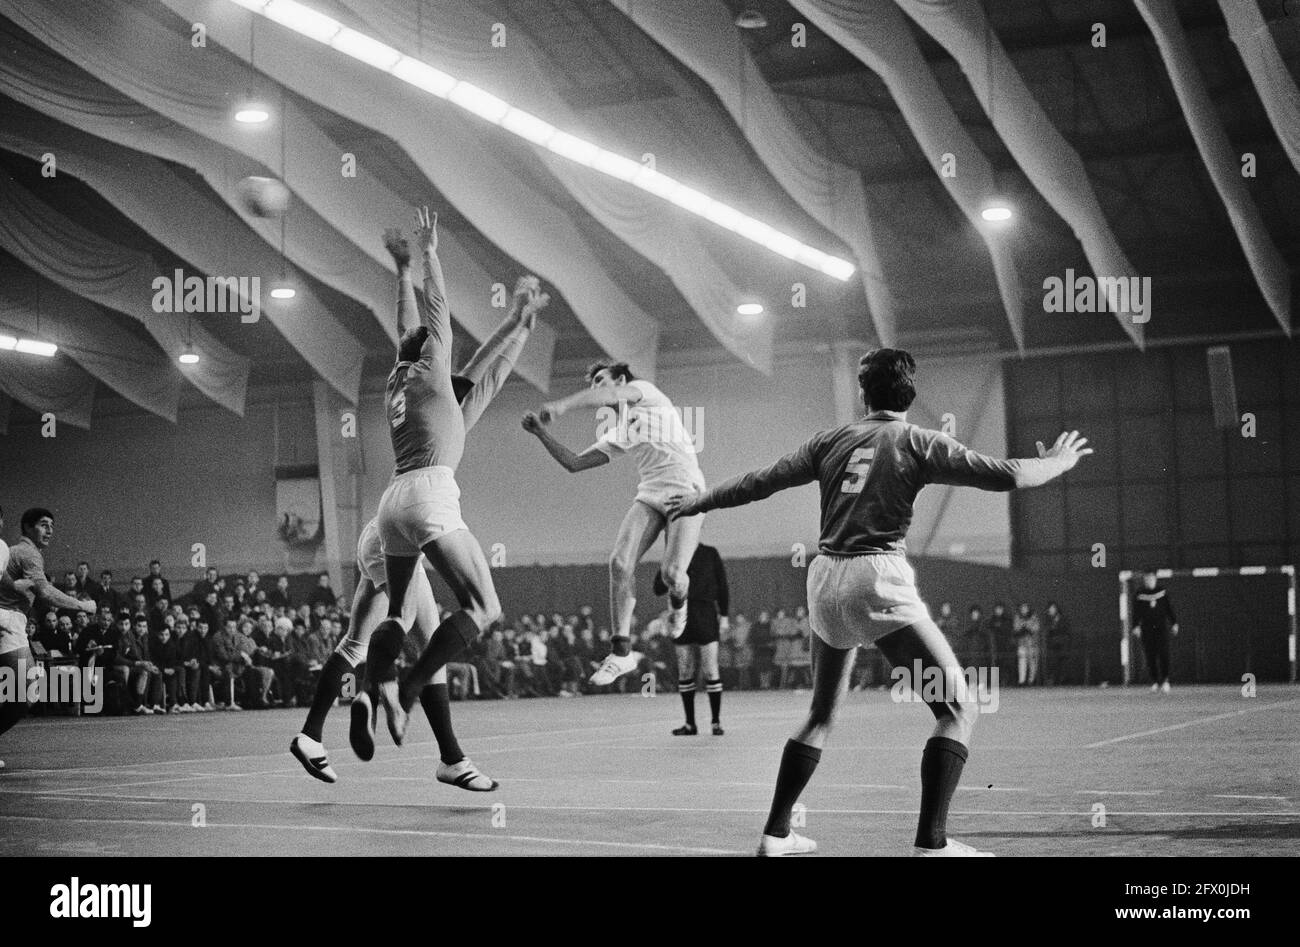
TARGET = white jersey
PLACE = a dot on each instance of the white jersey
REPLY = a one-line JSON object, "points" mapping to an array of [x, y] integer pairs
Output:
{"points": [[652, 432], [4, 556]]}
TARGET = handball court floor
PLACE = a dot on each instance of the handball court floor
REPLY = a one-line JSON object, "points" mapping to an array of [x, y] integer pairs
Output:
{"points": [[1201, 771]]}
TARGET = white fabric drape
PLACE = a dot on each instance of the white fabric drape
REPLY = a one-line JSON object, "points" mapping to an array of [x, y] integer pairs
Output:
{"points": [[108, 273], [1048, 160], [90, 337], [661, 233], [702, 34], [878, 36], [55, 385], [126, 47], [436, 136], [1268, 71], [1222, 163], [335, 237]]}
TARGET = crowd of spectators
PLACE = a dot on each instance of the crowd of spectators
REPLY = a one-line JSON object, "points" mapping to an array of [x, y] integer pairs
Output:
{"points": [[233, 642]]}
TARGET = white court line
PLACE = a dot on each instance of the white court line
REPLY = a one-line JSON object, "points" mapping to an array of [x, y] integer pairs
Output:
{"points": [[1117, 792], [362, 830], [1191, 723], [485, 807], [1269, 798]]}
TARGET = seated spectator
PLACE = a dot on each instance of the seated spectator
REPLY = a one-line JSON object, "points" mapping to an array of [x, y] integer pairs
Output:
{"points": [[156, 589], [189, 667], [93, 646], [208, 583], [51, 636], [105, 595], [307, 655], [155, 572], [278, 597], [166, 655], [496, 671], [144, 677], [82, 587], [322, 594]]}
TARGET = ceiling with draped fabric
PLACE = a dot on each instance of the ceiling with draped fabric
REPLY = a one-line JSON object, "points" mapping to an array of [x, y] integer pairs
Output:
{"points": [[1122, 160]]}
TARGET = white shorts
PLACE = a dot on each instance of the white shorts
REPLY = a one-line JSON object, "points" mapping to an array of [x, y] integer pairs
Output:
{"points": [[853, 600], [654, 493], [13, 630], [418, 507], [370, 555]]}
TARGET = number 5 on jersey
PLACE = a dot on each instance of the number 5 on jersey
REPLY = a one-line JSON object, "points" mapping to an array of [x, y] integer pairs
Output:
{"points": [[858, 466]]}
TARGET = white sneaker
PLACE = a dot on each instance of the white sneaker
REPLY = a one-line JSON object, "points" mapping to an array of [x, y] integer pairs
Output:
{"points": [[145, 711], [1164, 688], [951, 849], [159, 709], [677, 621], [209, 707], [465, 775], [770, 846], [311, 754], [612, 669], [1154, 688]]}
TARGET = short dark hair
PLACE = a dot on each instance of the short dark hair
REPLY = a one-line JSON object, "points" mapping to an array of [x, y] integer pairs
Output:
{"points": [[106, 572], [886, 379], [620, 369], [33, 516]]}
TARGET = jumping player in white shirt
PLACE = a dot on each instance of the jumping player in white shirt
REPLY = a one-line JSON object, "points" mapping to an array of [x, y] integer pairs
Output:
{"points": [[636, 418], [861, 588]]}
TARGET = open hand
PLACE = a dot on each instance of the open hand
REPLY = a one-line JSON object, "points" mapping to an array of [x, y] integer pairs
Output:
{"points": [[426, 230], [1068, 447], [681, 504]]}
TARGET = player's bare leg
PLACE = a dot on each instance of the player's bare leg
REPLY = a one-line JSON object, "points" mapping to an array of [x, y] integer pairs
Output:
{"points": [[945, 752], [832, 669], [640, 528], [682, 536]]}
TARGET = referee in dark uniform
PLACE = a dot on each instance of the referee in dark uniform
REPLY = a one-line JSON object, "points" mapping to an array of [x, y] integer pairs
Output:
{"points": [[706, 615], [1154, 623]]}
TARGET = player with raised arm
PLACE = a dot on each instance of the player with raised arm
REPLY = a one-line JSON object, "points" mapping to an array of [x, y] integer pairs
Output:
{"points": [[646, 425], [861, 588], [23, 582], [475, 386], [419, 513]]}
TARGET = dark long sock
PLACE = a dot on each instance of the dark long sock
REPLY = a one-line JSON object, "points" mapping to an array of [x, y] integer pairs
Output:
{"points": [[686, 690], [620, 645], [797, 765], [941, 765], [437, 707], [328, 688], [714, 689], [449, 639]]}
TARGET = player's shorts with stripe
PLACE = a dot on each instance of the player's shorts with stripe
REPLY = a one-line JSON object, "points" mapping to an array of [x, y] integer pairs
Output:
{"points": [[654, 493], [853, 600], [418, 507]]}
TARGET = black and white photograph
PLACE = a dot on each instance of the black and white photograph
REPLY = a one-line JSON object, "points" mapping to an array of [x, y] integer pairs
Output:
{"points": [[661, 429]]}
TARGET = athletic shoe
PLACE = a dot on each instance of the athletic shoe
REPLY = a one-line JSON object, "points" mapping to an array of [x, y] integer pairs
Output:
{"points": [[613, 667], [677, 621], [144, 711], [209, 707], [951, 849], [685, 730], [311, 754], [465, 775], [770, 846], [234, 707], [362, 733], [159, 709], [397, 715], [1154, 688], [1165, 687], [2, 764], [717, 729]]}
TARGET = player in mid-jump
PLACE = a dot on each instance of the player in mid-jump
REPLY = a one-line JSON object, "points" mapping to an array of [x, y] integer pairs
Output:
{"points": [[475, 386], [638, 419], [861, 588]]}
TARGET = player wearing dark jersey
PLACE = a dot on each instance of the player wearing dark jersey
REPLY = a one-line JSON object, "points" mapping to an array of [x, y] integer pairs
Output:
{"points": [[1154, 624], [22, 583], [475, 386], [708, 615], [861, 588], [419, 513]]}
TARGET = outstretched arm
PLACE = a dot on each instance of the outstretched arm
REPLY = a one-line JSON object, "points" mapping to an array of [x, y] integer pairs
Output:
{"points": [[792, 470], [593, 456], [408, 310], [590, 398], [437, 312], [495, 359]]}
